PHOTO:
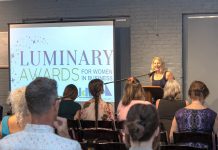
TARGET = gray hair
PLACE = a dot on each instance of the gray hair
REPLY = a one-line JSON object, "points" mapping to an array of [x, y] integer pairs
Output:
{"points": [[40, 94], [172, 90], [18, 105]]}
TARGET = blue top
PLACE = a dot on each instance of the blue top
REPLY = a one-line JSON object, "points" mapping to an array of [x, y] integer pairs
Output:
{"points": [[191, 120], [5, 128], [160, 82]]}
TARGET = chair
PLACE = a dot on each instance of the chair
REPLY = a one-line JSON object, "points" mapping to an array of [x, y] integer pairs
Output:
{"points": [[101, 124], [178, 147], [104, 146], [119, 125], [73, 127], [164, 138], [193, 137], [98, 135]]}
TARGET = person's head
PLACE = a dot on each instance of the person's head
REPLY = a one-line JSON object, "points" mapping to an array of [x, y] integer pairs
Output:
{"points": [[142, 123], [172, 90], [158, 64], [132, 91], [41, 95], [96, 87], [198, 90], [70, 91], [18, 104]]}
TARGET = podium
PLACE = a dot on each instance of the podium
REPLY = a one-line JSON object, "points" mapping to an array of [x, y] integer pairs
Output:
{"points": [[153, 93]]}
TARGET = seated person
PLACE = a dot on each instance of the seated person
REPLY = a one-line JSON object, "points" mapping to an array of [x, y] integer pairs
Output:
{"points": [[142, 127], [68, 107], [42, 102], [96, 108], [195, 117], [21, 115], [170, 103], [133, 93]]}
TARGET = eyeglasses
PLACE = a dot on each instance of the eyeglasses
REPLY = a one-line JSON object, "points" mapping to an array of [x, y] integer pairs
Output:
{"points": [[59, 98]]}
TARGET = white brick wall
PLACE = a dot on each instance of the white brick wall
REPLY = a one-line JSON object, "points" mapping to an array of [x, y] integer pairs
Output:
{"points": [[147, 18]]}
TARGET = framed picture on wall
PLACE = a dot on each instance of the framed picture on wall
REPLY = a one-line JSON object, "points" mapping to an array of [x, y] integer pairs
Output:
{"points": [[3, 49]]}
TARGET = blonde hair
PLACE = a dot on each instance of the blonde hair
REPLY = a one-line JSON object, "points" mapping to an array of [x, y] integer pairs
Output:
{"points": [[172, 90], [161, 62], [133, 90], [18, 104]]}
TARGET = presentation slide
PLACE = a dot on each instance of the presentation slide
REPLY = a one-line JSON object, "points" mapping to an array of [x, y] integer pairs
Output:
{"points": [[69, 52]]}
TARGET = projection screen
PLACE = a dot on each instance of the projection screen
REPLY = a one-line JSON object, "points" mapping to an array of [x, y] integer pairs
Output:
{"points": [[69, 52]]}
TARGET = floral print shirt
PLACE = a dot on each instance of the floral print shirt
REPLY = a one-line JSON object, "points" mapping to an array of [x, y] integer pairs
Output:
{"points": [[105, 110]]}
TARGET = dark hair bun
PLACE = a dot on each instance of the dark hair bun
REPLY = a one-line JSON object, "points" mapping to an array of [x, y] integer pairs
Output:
{"points": [[136, 130]]}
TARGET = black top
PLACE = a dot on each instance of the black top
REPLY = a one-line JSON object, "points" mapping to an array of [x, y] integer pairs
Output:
{"points": [[68, 109], [160, 82], [168, 108]]}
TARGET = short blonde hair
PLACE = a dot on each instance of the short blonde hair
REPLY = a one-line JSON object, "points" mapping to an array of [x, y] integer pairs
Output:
{"points": [[172, 90], [161, 62], [18, 104]]}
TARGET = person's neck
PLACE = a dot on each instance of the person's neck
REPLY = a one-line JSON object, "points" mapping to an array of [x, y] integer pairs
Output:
{"points": [[44, 119], [196, 104], [145, 145], [158, 72]]}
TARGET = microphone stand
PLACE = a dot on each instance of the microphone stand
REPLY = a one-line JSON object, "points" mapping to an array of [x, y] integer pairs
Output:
{"points": [[148, 74]]}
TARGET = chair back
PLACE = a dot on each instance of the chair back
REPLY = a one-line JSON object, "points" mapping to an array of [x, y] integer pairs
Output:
{"points": [[164, 138], [98, 135], [194, 137], [104, 146], [101, 124], [178, 147]]}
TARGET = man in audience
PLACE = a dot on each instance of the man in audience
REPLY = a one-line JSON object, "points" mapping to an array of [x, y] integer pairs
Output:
{"points": [[41, 97]]}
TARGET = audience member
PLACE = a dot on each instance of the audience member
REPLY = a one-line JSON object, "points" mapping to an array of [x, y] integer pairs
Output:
{"points": [[20, 113], [142, 127], [96, 108], [170, 103], [133, 93], [160, 75], [41, 97], [195, 117], [68, 107]]}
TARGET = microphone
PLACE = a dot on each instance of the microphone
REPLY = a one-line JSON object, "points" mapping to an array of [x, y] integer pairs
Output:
{"points": [[148, 74], [151, 73]]}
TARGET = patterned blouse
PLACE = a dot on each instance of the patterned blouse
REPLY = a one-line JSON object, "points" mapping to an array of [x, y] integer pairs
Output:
{"points": [[105, 110], [191, 120]]}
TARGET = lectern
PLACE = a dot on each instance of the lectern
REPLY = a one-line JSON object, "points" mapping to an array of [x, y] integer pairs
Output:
{"points": [[153, 93]]}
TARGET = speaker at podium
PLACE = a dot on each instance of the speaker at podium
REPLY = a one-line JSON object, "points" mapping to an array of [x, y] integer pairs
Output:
{"points": [[153, 93]]}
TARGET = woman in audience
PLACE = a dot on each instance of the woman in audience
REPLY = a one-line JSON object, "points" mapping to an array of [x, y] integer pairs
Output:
{"points": [[195, 117], [21, 115], [170, 103], [96, 108], [142, 127], [68, 107], [133, 93], [160, 75]]}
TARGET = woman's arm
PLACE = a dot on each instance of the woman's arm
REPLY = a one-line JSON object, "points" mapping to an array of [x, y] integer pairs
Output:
{"points": [[215, 126], [77, 115], [157, 103], [169, 75], [174, 128]]}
